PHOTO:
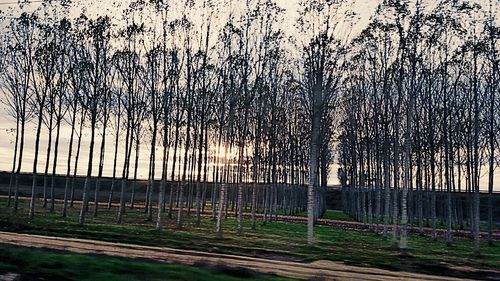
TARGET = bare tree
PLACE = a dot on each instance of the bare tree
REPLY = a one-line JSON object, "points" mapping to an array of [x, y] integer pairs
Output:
{"points": [[97, 55], [16, 58]]}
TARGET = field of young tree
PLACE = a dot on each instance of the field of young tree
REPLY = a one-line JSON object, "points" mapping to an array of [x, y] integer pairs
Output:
{"points": [[238, 120]]}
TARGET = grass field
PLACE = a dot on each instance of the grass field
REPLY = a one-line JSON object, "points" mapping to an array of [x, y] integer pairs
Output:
{"points": [[329, 214], [274, 240]]}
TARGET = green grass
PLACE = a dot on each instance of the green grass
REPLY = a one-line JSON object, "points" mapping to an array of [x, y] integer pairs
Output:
{"points": [[337, 215], [329, 214], [51, 265], [275, 240]]}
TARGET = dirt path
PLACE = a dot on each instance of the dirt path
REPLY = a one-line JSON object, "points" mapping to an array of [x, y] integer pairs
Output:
{"points": [[327, 270]]}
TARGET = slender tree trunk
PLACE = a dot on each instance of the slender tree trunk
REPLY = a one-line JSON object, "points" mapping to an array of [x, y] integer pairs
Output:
{"points": [[137, 150], [115, 158], [198, 181], [255, 179], [161, 192], [403, 243], [101, 166], [47, 160], [83, 210], [14, 161], [492, 141], [19, 164], [313, 164], [128, 149], [68, 164], [54, 164], [396, 197], [240, 188], [77, 157], [222, 200], [477, 219], [35, 163], [174, 159], [151, 184]]}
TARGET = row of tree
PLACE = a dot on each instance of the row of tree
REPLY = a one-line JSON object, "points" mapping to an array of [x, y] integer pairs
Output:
{"points": [[212, 98], [421, 118], [229, 98]]}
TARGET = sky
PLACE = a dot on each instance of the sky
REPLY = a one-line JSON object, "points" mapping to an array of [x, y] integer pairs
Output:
{"points": [[363, 8]]}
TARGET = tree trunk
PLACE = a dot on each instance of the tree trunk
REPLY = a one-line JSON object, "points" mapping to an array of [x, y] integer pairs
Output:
{"points": [[113, 180], [68, 164], [19, 163], [101, 167], [77, 157], [83, 210], [47, 160], [35, 163], [134, 182], [54, 165], [14, 161], [313, 163]]}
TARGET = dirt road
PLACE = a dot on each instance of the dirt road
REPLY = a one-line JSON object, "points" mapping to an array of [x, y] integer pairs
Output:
{"points": [[323, 270]]}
